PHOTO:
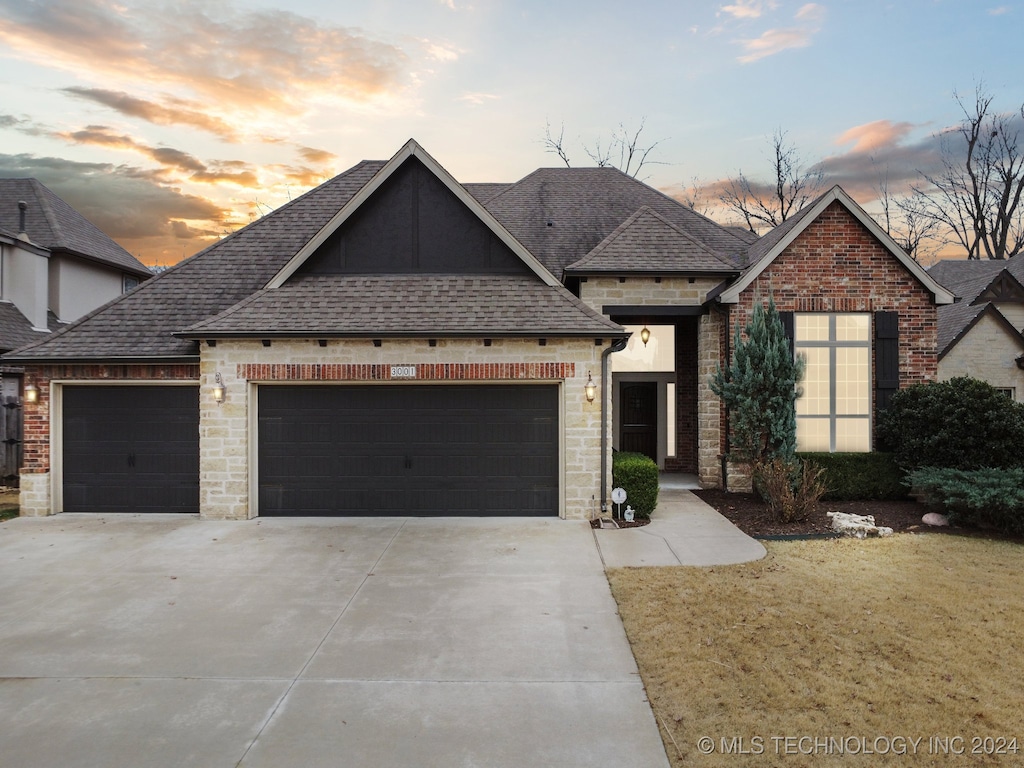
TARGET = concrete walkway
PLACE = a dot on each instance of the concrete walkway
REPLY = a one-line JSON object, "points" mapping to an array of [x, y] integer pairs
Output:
{"points": [[155, 642], [683, 531]]}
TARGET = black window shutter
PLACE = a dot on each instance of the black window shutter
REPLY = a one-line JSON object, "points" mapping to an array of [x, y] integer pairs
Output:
{"points": [[788, 327], [887, 357]]}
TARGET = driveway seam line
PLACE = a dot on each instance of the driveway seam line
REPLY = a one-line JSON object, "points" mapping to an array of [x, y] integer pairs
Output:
{"points": [[280, 701]]}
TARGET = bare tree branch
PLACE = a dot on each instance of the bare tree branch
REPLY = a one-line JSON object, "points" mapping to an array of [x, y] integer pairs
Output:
{"points": [[556, 145], [903, 220], [632, 156], [977, 194], [770, 204]]}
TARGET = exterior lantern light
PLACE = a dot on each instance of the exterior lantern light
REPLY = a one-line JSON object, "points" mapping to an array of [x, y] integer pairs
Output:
{"points": [[590, 388], [31, 393], [645, 334], [218, 388]]}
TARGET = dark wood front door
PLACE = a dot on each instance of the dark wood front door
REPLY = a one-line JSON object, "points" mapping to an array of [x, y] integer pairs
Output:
{"points": [[638, 422]]}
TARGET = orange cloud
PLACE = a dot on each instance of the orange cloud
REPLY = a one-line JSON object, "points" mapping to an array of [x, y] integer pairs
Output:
{"points": [[230, 57], [873, 136], [179, 111], [747, 9]]}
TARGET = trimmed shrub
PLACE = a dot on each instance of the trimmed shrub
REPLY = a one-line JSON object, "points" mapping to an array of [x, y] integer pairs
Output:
{"points": [[638, 476], [962, 423], [985, 497], [859, 476]]}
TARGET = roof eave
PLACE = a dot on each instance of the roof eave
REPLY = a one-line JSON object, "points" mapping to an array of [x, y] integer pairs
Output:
{"points": [[102, 359], [468, 334]]}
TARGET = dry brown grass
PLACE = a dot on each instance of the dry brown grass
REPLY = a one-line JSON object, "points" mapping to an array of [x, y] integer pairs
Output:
{"points": [[915, 636]]}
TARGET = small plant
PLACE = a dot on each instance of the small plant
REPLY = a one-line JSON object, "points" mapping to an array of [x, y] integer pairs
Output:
{"points": [[790, 487], [992, 497], [638, 476]]}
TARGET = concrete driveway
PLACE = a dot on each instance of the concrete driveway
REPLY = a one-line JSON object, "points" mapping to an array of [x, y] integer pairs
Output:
{"points": [[166, 641]]}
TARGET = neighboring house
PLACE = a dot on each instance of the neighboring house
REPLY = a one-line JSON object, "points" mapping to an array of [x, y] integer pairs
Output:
{"points": [[982, 335], [55, 266], [394, 342]]}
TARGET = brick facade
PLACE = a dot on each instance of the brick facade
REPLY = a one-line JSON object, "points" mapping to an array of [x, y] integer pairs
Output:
{"points": [[36, 495], [987, 352], [837, 265]]}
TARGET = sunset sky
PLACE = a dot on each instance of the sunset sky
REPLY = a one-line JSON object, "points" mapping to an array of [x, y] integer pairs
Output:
{"points": [[170, 124]]}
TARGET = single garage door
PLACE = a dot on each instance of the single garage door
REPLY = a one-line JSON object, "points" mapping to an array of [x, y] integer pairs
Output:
{"points": [[131, 449], [408, 450]]}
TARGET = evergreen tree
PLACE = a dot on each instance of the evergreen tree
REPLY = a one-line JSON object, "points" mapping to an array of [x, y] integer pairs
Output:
{"points": [[759, 390]]}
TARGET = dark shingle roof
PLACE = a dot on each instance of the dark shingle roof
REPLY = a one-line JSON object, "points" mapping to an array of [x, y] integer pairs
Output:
{"points": [[484, 191], [968, 278], [16, 330], [140, 324], [648, 242], [408, 305], [52, 223], [562, 214]]}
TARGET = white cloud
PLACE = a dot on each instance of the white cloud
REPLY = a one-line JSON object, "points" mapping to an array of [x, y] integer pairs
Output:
{"points": [[999, 11], [748, 9], [809, 20], [478, 98]]}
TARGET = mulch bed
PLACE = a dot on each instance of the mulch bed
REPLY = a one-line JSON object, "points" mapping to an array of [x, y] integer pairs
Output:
{"points": [[748, 513]]}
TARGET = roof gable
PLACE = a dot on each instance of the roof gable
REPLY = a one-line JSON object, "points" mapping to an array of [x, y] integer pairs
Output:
{"points": [[771, 246], [562, 214], [974, 315], [413, 224], [366, 195], [53, 223], [648, 242], [1004, 287]]}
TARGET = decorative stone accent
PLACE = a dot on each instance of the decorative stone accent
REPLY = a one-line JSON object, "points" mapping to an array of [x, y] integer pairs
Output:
{"points": [[934, 518], [858, 526]]}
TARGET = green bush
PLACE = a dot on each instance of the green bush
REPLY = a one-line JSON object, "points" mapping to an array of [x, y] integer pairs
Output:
{"points": [[992, 497], [860, 476], [638, 476], [962, 423]]}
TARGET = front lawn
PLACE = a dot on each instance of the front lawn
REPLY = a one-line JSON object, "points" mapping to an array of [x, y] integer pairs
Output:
{"points": [[900, 651]]}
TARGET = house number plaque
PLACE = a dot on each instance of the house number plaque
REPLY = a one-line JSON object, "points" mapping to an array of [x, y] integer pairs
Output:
{"points": [[403, 371]]}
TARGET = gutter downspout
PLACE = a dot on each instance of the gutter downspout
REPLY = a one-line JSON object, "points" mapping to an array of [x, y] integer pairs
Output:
{"points": [[728, 362], [617, 346]]}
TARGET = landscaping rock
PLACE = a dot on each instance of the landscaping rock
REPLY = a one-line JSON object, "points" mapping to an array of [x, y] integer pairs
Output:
{"points": [[859, 526], [934, 518]]}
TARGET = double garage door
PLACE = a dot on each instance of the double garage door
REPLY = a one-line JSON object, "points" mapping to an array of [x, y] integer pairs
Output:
{"points": [[323, 450]]}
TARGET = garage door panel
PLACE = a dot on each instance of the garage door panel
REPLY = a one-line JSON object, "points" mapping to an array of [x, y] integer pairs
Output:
{"points": [[130, 448], [408, 450]]}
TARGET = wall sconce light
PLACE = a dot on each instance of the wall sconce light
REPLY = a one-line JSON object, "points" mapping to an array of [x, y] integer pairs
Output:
{"points": [[218, 388], [590, 388], [645, 334], [31, 394]]}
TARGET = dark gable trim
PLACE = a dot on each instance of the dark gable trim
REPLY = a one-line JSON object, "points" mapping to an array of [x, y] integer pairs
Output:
{"points": [[995, 314]]}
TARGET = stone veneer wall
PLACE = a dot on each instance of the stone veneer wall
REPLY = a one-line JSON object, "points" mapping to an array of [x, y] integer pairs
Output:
{"points": [[226, 441], [597, 292], [987, 352], [36, 487], [837, 265]]}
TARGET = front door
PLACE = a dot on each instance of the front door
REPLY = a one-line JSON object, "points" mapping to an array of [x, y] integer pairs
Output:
{"points": [[638, 402]]}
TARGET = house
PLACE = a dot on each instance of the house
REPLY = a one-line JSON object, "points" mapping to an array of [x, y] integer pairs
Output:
{"points": [[395, 342], [982, 335], [55, 266]]}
